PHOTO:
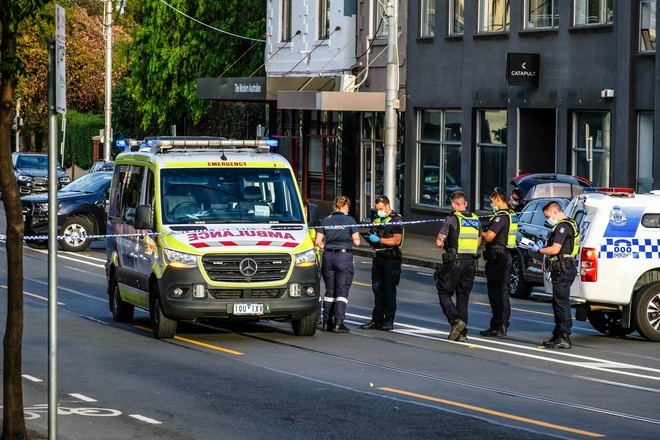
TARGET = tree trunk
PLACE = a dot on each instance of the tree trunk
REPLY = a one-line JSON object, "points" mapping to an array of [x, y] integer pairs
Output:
{"points": [[13, 416]]}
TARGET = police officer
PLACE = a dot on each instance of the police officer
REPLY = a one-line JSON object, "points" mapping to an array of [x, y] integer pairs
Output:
{"points": [[386, 239], [500, 236], [562, 246], [337, 263], [460, 238]]}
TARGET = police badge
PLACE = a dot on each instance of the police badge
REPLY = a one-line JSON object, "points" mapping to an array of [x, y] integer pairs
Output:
{"points": [[617, 216]]}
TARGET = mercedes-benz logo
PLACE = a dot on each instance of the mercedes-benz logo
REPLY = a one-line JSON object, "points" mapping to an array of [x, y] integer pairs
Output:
{"points": [[248, 267]]}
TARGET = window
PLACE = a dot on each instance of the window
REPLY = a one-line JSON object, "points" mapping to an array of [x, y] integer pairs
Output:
{"points": [[645, 152], [427, 18], [438, 165], [494, 15], [286, 20], [590, 12], [591, 146], [324, 19], [456, 17], [491, 153], [541, 14], [647, 26]]}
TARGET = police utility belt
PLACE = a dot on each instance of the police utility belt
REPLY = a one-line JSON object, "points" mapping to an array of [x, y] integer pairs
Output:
{"points": [[561, 262], [388, 253], [451, 255], [493, 253]]}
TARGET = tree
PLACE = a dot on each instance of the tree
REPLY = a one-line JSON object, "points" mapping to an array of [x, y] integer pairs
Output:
{"points": [[170, 51], [12, 14]]}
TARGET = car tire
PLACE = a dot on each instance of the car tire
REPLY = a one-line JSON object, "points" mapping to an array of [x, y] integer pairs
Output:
{"points": [[121, 310], [608, 322], [73, 230], [518, 287], [305, 326], [646, 312], [162, 326]]}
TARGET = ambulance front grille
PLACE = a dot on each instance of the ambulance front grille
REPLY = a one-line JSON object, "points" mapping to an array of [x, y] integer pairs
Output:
{"points": [[246, 268]]}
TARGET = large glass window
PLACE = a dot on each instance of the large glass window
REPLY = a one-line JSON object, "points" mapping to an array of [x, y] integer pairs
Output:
{"points": [[427, 18], [541, 14], [381, 20], [438, 168], [645, 152], [286, 20], [324, 19], [589, 12], [591, 146], [492, 153], [456, 17], [494, 15], [647, 26]]}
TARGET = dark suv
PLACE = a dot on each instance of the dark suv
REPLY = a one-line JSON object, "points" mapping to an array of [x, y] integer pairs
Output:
{"points": [[31, 171], [534, 186], [82, 212]]}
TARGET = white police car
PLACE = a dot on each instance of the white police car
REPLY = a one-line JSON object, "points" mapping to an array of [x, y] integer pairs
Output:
{"points": [[618, 283]]}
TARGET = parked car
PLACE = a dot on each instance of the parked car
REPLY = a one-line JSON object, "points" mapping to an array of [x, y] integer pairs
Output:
{"points": [[534, 186], [82, 212], [102, 165], [527, 265], [430, 185], [31, 171]]}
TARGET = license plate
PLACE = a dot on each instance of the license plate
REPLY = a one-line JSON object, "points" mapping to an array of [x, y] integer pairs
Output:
{"points": [[248, 309]]}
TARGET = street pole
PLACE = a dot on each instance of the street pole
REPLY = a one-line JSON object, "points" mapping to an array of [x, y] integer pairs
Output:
{"points": [[107, 133], [391, 101], [18, 124]]}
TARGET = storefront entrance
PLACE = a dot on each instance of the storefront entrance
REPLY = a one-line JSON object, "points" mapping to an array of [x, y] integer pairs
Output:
{"points": [[537, 141]]}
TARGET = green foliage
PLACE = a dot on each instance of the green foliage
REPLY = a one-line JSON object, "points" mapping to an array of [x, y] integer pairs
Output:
{"points": [[78, 147], [170, 51]]}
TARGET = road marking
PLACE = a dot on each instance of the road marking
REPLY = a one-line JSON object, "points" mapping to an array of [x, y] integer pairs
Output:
{"points": [[34, 295], [492, 412], [479, 303], [31, 378], [361, 284], [145, 419], [82, 397], [200, 343]]}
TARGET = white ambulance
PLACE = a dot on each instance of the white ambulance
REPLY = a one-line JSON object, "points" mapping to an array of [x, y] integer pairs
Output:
{"points": [[618, 283], [206, 228]]}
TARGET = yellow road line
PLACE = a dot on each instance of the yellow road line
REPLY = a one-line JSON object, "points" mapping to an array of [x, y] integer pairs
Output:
{"points": [[479, 303], [361, 284], [493, 413], [59, 303], [194, 342]]}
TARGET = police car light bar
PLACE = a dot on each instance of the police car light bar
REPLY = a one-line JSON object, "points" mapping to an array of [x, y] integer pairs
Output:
{"points": [[611, 191]]}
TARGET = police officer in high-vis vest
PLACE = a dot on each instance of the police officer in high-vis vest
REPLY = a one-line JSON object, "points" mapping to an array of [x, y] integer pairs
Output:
{"points": [[386, 238], [460, 236], [562, 247], [499, 238]]}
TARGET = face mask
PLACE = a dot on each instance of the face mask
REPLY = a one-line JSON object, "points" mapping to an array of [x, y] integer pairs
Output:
{"points": [[515, 203], [382, 214], [494, 208], [552, 221]]}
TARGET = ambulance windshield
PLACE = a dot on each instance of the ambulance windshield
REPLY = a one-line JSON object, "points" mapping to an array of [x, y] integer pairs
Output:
{"points": [[229, 195]]}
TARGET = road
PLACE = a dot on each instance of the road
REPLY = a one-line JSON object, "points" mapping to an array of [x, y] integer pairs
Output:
{"points": [[258, 381]]}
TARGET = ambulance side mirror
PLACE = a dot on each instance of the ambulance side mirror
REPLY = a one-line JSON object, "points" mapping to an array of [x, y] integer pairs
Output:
{"points": [[143, 218]]}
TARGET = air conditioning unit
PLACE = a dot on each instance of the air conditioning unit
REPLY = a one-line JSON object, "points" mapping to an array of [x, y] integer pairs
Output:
{"points": [[346, 83]]}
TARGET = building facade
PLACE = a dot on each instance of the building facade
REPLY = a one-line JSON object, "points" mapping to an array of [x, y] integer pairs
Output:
{"points": [[498, 88]]}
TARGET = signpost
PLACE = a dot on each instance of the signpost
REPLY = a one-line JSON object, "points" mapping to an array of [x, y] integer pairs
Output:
{"points": [[60, 60]]}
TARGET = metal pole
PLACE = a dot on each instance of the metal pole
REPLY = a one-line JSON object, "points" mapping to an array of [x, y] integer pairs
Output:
{"points": [[391, 101], [52, 245], [18, 124], [107, 134]]}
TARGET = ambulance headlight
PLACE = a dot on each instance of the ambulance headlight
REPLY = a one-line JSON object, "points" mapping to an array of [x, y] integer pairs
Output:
{"points": [[179, 259], [306, 259]]}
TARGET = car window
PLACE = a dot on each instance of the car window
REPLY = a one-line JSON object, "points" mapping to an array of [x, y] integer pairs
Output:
{"points": [[525, 216], [538, 218]]}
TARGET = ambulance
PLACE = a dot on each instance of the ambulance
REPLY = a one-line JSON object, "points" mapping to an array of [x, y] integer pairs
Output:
{"points": [[208, 228], [618, 283]]}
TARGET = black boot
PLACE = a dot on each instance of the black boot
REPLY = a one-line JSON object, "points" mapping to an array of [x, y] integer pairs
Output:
{"points": [[339, 327], [564, 342], [327, 325], [499, 331]]}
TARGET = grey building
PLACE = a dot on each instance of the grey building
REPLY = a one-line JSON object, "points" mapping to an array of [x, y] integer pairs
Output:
{"points": [[497, 88]]}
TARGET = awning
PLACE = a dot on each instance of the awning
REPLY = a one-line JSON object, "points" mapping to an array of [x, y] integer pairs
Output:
{"points": [[339, 101]]}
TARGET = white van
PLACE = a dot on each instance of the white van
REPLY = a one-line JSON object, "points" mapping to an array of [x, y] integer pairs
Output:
{"points": [[209, 228]]}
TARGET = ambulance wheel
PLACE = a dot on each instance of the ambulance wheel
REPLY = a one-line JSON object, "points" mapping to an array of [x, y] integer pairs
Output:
{"points": [[646, 312], [162, 326], [305, 326], [518, 288], [608, 322], [121, 310]]}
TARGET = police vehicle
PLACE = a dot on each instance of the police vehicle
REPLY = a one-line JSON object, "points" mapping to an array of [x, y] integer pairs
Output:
{"points": [[209, 228], [618, 283]]}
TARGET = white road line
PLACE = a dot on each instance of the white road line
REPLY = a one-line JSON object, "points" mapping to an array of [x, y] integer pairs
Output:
{"points": [[31, 378], [145, 419], [82, 397]]}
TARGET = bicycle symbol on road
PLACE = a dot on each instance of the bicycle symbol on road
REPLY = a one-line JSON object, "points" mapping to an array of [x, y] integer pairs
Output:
{"points": [[34, 412]]}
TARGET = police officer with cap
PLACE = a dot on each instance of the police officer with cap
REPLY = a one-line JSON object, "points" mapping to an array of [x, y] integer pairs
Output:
{"points": [[460, 238]]}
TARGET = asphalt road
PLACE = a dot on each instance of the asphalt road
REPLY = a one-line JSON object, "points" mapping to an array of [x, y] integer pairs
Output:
{"points": [[258, 381]]}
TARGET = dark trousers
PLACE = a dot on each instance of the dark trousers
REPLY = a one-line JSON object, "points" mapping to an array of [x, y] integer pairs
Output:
{"points": [[457, 278], [385, 276], [561, 300], [337, 269], [497, 280]]}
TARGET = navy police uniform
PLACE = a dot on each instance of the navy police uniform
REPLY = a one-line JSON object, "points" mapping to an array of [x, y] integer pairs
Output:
{"points": [[563, 271]]}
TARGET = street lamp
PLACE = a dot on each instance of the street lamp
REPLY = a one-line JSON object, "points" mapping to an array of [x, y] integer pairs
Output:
{"points": [[107, 133]]}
